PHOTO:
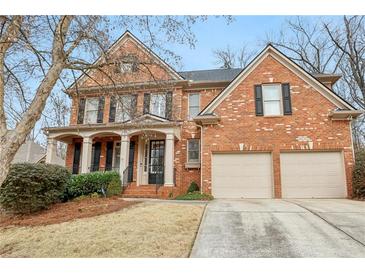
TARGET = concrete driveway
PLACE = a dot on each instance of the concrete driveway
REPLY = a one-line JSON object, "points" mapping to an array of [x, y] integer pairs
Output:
{"points": [[282, 228]]}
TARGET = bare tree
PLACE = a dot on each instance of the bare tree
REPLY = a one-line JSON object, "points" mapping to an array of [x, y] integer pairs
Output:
{"points": [[349, 40], [336, 47], [307, 44], [228, 58], [41, 53], [225, 58]]}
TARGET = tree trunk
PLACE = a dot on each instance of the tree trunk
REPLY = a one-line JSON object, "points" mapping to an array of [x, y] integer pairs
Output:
{"points": [[9, 145]]}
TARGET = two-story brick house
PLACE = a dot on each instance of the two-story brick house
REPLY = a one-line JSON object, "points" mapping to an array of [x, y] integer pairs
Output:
{"points": [[270, 130]]}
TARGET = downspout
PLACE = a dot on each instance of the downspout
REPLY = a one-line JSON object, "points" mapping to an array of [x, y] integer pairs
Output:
{"points": [[201, 158]]}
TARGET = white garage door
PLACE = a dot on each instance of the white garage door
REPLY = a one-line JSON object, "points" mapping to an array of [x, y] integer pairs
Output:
{"points": [[312, 175], [242, 175]]}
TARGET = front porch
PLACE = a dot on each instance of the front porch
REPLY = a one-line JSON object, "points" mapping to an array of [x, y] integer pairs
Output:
{"points": [[143, 157]]}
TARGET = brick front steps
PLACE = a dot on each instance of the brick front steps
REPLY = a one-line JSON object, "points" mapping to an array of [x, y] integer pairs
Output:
{"points": [[148, 191]]}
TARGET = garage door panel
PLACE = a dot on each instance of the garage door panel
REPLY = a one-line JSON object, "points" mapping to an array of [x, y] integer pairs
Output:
{"points": [[241, 175], [312, 175]]}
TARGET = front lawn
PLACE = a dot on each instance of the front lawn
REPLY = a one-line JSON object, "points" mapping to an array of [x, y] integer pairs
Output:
{"points": [[141, 230]]}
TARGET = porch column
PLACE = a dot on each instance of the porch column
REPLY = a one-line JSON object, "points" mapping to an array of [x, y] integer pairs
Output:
{"points": [[169, 159], [86, 155], [124, 156], [51, 150]]}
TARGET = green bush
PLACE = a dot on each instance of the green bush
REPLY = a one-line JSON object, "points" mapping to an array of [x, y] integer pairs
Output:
{"points": [[193, 187], [33, 187], [358, 175], [195, 196], [103, 183]]}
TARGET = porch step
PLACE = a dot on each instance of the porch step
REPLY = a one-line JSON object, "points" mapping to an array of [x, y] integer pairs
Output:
{"points": [[143, 191]]}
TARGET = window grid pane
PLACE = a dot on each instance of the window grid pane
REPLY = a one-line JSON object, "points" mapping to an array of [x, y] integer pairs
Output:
{"points": [[158, 105], [91, 110], [272, 99], [194, 105], [124, 108], [193, 151]]}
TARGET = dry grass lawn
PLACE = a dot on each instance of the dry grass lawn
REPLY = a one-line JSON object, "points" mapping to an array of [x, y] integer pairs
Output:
{"points": [[142, 230]]}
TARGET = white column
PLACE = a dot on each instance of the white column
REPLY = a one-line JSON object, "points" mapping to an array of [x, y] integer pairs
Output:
{"points": [[86, 155], [124, 154], [51, 150], [169, 159]]}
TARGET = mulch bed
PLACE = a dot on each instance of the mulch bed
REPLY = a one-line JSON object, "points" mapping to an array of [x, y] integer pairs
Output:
{"points": [[63, 212]]}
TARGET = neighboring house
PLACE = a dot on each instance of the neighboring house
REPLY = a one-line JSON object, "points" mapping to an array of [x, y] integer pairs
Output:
{"points": [[271, 130], [32, 152]]}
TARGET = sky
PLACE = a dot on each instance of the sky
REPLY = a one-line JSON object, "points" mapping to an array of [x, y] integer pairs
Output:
{"points": [[216, 34]]}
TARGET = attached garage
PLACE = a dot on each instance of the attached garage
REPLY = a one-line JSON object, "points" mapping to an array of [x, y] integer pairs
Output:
{"points": [[242, 175], [312, 175]]}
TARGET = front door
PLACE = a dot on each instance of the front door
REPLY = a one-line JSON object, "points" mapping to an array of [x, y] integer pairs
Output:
{"points": [[156, 163]]}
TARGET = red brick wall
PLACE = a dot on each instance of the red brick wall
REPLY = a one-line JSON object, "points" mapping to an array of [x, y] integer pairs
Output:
{"points": [[310, 119]]}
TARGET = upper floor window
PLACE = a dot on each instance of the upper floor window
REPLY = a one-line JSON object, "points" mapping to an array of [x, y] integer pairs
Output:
{"points": [[127, 64], [193, 150], [91, 110], [158, 104], [125, 108], [272, 101], [194, 105]]}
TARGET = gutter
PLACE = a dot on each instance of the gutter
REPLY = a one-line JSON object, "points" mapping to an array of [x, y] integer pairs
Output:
{"points": [[201, 158]]}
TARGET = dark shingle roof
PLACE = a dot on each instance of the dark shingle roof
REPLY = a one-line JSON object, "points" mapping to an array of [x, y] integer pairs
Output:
{"points": [[211, 74]]}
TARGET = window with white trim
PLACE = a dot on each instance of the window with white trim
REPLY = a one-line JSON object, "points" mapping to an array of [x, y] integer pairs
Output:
{"points": [[194, 105], [158, 104], [271, 95], [193, 151], [91, 110], [124, 108]]}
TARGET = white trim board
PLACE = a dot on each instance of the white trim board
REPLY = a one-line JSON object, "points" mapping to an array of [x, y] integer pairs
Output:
{"points": [[292, 66]]}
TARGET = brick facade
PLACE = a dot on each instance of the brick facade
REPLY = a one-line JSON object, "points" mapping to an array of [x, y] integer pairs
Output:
{"points": [[238, 125]]}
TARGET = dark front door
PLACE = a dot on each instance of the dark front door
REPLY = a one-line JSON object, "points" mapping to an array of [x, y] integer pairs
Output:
{"points": [[76, 161], [131, 161], [95, 160], [156, 166], [109, 156]]}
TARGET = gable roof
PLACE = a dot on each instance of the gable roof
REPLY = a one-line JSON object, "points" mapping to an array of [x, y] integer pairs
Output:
{"points": [[211, 75], [128, 35], [270, 50]]}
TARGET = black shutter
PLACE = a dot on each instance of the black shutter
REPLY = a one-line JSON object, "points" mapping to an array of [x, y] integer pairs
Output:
{"points": [[285, 88], [131, 161], [134, 105], [112, 109], [258, 101], [109, 155], [169, 105], [146, 103], [80, 115], [76, 161], [100, 109], [95, 158]]}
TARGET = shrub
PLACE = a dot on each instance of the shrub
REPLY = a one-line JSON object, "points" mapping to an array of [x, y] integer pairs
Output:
{"points": [[103, 183], [358, 177], [195, 196], [193, 187], [33, 187]]}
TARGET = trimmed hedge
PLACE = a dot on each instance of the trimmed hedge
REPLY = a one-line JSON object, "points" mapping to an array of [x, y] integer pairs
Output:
{"points": [[32, 187], [104, 183], [358, 175], [193, 187]]}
